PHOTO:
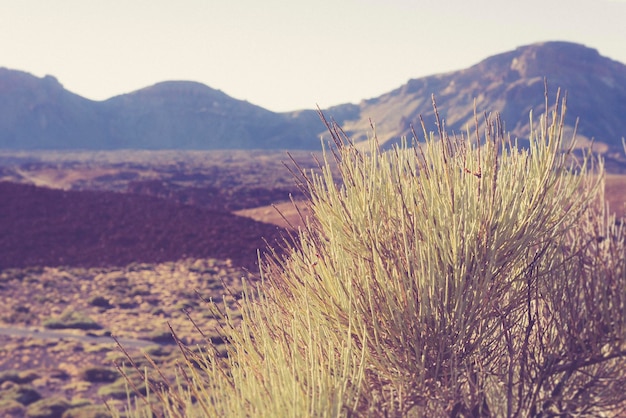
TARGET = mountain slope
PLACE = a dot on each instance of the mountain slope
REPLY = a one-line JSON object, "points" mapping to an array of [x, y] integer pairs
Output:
{"points": [[40, 113], [512, 84], [189, 115]]}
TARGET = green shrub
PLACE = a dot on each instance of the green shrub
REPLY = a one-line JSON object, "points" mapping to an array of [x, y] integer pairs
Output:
{"points": [[10, 376], [120, 387], [47, 408], [71, 319], [16, 376], [161, 337], [87, 411], [158, 351], [462, 276], [24, 394], [10, 408]]}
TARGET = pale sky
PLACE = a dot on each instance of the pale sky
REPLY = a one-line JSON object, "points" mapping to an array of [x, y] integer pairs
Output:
{"points": [[285, 54]]}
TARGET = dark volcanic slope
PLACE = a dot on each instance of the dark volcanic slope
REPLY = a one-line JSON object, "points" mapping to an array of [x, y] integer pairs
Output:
{"points": [[45, 227]]}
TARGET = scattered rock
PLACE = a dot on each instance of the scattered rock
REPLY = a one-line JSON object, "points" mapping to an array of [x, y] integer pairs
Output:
{"points": [[96, 228]]}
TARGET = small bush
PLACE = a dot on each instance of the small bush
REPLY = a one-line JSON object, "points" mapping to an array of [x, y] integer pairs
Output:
{"points": [[18, 376], [120, 388], [19, 314], [10, 408], [23, 394], [99, 374], [71, 320], [47, 408], [158, 351], [87, 411], [161, 337], [9, 376]]}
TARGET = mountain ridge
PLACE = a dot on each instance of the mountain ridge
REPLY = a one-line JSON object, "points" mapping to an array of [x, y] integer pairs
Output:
{"points": [[38, 113], [511, 84]]}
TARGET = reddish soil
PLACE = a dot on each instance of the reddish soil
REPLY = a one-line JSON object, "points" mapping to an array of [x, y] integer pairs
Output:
{"points": [[47, 227]]}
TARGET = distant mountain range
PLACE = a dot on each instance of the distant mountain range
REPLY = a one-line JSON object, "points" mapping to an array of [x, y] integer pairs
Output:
{"points": [[38, 113]]}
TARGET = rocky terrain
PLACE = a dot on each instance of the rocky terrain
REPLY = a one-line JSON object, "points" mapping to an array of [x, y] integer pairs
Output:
{"points": [[57, 323], [125, 245], [49, 227]]}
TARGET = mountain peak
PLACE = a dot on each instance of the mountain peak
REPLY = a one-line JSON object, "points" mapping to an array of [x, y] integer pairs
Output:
{"points": [[544, 59], [511, 84], [179, 86], [562, 47], [541, 59], [12, 80]]}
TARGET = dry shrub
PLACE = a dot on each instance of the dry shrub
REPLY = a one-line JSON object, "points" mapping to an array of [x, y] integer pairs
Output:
{"points": [[458, 276]]}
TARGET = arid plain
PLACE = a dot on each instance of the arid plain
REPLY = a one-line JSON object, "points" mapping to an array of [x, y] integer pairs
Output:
{"points": [[140, 240], [125, 244]]}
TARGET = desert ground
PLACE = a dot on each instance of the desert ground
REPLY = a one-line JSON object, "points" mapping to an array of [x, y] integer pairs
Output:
{"points": [[131, 245], [124, 245]]}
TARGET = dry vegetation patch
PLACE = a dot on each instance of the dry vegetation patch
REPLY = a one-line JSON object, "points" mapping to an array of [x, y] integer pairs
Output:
{"points": [[134, 302]]}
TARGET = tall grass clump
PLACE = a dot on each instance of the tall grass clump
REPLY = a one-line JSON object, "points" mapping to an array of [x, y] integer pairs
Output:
{"points": [[456, 276]]}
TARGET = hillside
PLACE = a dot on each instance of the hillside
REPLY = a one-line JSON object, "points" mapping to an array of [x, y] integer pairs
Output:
{"points": [[38, 113], [46, 227]]}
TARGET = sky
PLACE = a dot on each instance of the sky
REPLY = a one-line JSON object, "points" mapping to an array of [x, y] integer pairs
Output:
{"points": [[285, 55]]}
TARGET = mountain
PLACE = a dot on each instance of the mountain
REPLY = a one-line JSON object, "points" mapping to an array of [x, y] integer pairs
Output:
{"points": [[511, 84], [38, 113], [189, 115]]}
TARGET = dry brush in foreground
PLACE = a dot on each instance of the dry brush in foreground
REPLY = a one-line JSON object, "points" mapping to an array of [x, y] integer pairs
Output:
{"points": [[460, 276]]}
